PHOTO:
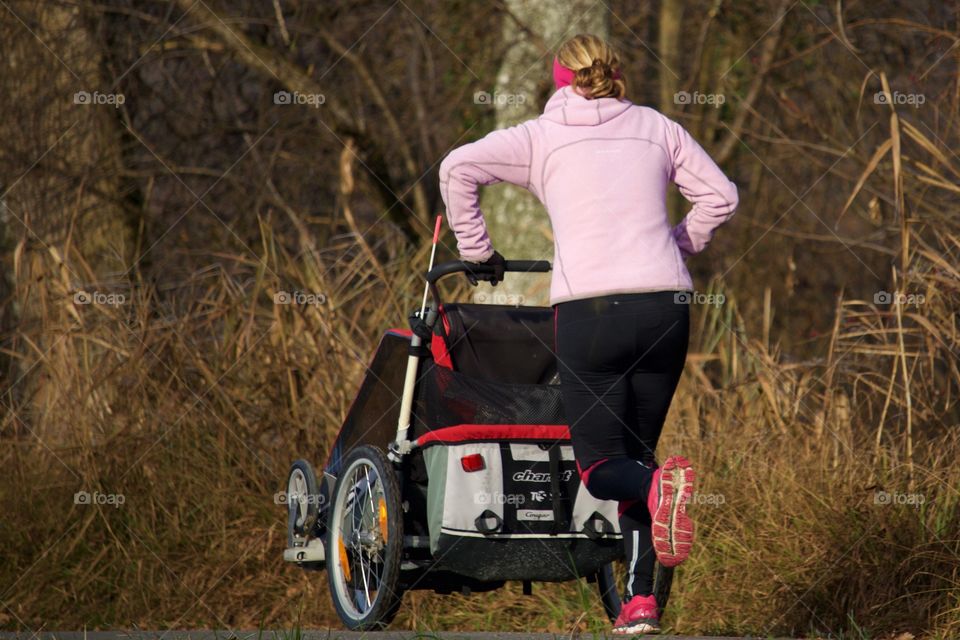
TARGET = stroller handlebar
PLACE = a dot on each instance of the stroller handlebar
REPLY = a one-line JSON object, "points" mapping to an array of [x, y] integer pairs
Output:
{"points": [[482, 270]]}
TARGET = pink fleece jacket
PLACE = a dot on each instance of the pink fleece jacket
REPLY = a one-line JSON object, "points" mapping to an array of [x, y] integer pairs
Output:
{"points": [[601, 168]]}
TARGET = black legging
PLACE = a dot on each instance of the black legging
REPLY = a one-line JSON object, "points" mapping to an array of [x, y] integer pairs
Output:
{"points": [[620, 357]]}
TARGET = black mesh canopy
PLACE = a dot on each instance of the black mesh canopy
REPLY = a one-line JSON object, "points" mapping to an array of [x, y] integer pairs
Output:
{"points": [[505, 373], [501, 343], [445, 398]]}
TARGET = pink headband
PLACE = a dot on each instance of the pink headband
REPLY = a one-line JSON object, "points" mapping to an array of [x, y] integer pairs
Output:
{"points": [[563, 76]]}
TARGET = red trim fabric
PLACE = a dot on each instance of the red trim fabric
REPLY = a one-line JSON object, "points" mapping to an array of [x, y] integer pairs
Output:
{"points": [[443, 317], [437, 347], [466, 432], [440, 354]]}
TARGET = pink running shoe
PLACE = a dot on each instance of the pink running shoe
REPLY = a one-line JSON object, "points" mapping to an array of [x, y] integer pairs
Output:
{"points": [[639, 615], [670, 491]]}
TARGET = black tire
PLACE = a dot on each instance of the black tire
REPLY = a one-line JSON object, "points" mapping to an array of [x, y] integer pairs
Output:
{"points": [[662, 581], [363, 568], [607, 583], [609, 592], [303, 502]]}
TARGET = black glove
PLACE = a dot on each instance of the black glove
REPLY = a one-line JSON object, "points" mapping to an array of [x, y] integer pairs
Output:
{"points": [[497, 262]]}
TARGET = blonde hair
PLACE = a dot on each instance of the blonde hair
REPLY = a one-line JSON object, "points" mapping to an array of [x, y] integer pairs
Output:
{"points": [[596, 65]]}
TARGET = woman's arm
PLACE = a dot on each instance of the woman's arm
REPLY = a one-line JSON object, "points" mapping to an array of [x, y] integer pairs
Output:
{"points": [[503, 155], [703, 184]]}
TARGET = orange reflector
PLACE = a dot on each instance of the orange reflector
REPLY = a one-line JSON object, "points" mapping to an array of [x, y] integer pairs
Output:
{"points": [[344, 563], [472, 462], [382, 513]]}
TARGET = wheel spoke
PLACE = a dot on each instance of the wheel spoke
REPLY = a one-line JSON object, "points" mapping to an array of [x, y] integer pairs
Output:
{"points": [[369, 492], [375, 554], [368, 571], [361, 597], [363, 572], [353, 500], [351, 521]]}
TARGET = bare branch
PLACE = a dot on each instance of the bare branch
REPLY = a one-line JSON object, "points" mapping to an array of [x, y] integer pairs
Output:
{"points": [[767, 54]]}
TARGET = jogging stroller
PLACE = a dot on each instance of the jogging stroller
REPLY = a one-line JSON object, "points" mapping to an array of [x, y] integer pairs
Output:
{"points": [[453, 470]]}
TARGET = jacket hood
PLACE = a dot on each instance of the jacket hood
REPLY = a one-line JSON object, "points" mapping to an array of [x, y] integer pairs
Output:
{"points": [[570, 108]]}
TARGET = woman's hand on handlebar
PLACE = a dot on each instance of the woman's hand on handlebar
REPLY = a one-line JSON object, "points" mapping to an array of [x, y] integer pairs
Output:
{"points": [[497, 262]]}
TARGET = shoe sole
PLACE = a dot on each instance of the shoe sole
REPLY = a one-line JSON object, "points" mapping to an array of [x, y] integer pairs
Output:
{"points": [[640, 627], [672, 527]]}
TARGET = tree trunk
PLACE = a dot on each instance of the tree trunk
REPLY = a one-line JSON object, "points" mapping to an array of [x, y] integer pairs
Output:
{"points": [[518, 224], [668, 45], [64, 228]]}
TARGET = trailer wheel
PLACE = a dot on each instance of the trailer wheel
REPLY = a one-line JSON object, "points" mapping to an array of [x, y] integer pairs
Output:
{"points": [[302, 503], [365, 541]]}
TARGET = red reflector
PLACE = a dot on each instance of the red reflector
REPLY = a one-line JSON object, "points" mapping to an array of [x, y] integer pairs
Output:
{"points": [[472, 462]]}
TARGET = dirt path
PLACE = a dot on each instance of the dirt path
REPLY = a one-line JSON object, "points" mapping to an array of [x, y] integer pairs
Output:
{"points": [[316, 634]]}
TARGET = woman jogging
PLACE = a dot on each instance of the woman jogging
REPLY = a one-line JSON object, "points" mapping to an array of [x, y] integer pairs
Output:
{"points": [[601, 166]]}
